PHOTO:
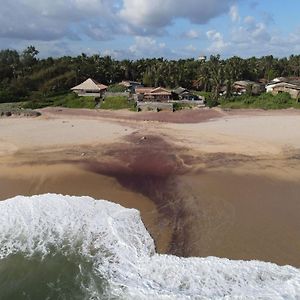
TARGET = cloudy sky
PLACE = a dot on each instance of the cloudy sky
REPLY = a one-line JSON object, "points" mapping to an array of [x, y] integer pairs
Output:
{"points": [[152, 28]]}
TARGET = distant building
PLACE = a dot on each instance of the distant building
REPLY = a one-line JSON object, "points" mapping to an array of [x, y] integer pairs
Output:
{"points": [[184, 94], [131, 85], [244, 86], [153, 94], [202, 58], [90, 87], [285, 85]]}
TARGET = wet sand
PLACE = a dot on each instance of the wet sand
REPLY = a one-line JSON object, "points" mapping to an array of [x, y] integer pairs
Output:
{"points": [[228, 187]]}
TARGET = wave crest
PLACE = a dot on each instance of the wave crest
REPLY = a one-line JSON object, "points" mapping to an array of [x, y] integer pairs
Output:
{"points": [[122, 252]]}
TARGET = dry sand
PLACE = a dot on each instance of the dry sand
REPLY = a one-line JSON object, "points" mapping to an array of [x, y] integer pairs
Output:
{"points": [[207, 182]]}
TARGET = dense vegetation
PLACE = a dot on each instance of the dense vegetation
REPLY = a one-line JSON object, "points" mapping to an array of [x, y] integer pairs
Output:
{"points": [[70, 100], [24, 77], [264, 101]]}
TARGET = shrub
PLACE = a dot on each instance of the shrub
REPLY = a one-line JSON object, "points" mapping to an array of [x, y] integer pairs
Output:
{"points": [[180, 106], [69, 100], [118, 102], [282, 98], [211, 102], [117, 88], [6, 96]]}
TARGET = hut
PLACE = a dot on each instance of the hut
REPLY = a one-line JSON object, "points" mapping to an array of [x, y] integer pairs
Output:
{"points": [[90, 87], [153, 94]]}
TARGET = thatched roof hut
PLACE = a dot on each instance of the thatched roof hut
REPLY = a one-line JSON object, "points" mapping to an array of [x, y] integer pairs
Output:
{"points": [[90, 87]]}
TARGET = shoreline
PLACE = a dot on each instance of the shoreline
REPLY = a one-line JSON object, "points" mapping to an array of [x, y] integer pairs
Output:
{"points": [[172, 173]]}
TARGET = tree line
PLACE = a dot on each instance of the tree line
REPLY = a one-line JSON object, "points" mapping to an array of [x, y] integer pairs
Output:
{"points": [[23, 74]]}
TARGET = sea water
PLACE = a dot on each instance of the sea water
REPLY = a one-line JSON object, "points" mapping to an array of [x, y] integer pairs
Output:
{"points": [[62, 247]]}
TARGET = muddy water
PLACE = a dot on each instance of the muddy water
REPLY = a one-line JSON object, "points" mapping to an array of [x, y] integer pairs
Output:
{"points": [[193, 214], [72, 179], [241, 217]]}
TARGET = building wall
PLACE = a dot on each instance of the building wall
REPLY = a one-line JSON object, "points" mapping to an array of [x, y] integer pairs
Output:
{"points": [[87, 94], [156, 98], [295, 94], [121, 94], [154, 106]]}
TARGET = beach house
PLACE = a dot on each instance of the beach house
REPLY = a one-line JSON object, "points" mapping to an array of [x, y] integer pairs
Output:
{"points": [[158, 94], [90, 87]]}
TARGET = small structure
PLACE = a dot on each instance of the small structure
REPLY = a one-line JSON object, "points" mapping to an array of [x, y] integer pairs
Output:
{"points": [[285, 85], [202, 57], [131, 85], [184, 94], [153, 94], [90, 88], [244, 86]]}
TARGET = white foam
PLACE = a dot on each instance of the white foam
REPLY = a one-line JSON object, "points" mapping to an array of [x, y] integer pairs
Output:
{"points": [[124, 253]]}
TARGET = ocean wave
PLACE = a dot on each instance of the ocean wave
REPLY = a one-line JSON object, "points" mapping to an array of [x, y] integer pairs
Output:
{"points": [[110, 255]]}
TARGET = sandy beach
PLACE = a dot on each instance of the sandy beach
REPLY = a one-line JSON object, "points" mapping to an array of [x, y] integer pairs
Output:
{"points": [[207, 182]]}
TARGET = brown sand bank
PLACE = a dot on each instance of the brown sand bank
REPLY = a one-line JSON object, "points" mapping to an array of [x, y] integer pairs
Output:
{"points": [[228, 187], [183, 116]]}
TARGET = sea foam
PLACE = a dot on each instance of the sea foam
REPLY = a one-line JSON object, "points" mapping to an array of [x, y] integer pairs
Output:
{"points": [[123, 252]]}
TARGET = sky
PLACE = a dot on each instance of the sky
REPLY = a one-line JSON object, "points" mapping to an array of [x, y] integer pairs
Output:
{"points": [[134, 29]]}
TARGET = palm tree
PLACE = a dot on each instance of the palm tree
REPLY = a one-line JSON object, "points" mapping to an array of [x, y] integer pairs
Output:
{"points": [[217, 75]]}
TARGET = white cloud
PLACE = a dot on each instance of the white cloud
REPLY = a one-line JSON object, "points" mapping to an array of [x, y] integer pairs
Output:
{"points": [[60, 27], [52, 20], [148, 47], [253, 38], [251, 32], [152, 14], [191, 34], [49, 20], [234, 13], [190, 48], [249, 20], [218, 44]]}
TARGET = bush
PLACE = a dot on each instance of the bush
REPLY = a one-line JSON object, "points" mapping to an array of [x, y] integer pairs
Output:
{"points": [[118, 102], [282, 98], [13, 93], [6, 96], [117, 88], [206, 95], [211, 102]]}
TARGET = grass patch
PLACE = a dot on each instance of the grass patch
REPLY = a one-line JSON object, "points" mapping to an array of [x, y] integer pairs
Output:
{"points": [[263, 101], [11, 106], [69, 100], [180, 106], [117, 88], [117, 102]]}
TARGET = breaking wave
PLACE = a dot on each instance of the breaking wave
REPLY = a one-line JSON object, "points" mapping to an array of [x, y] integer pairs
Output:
{"points": [[62, 247]]}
